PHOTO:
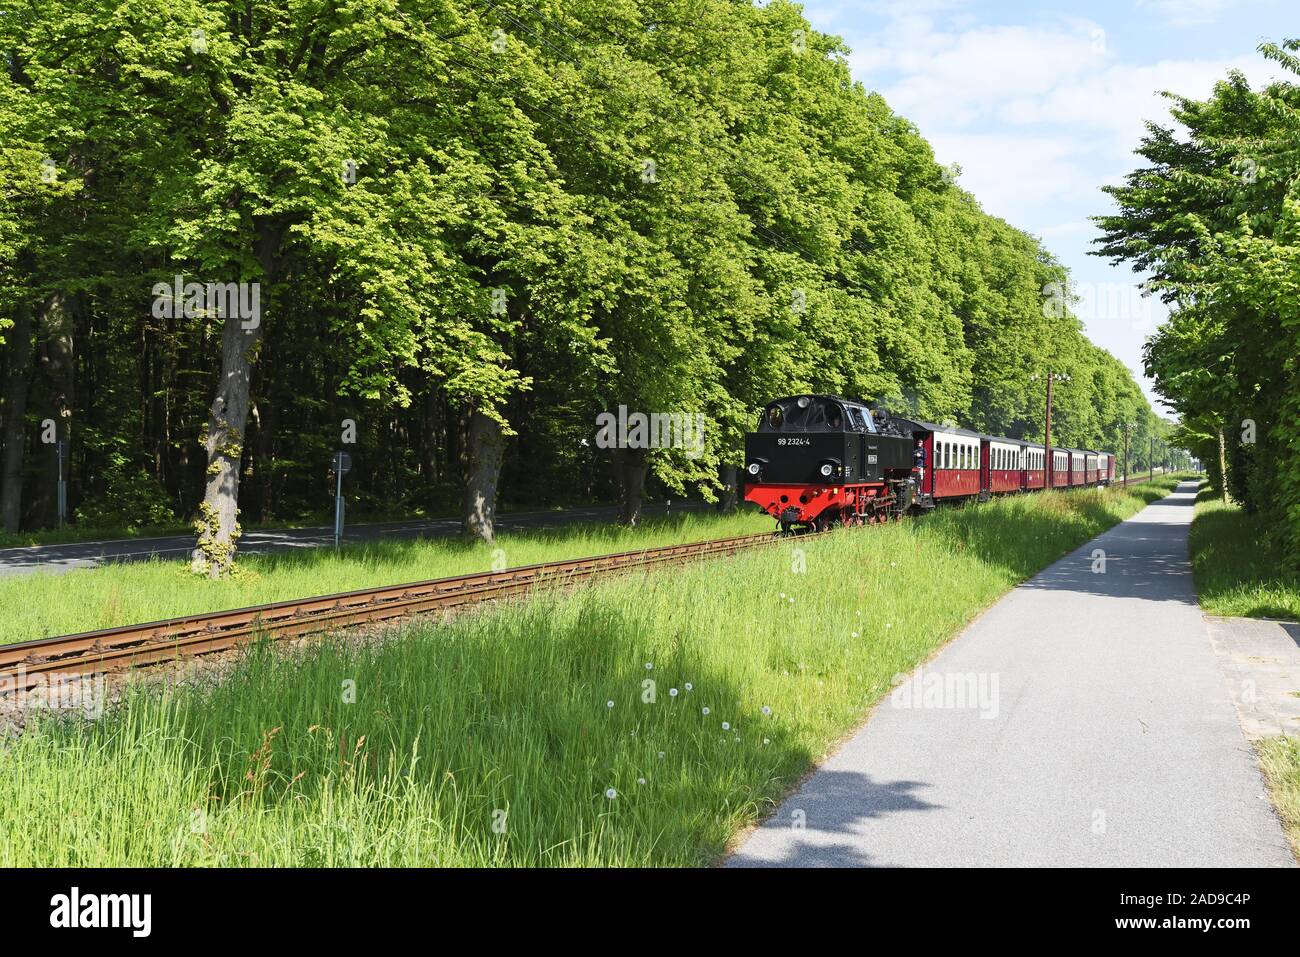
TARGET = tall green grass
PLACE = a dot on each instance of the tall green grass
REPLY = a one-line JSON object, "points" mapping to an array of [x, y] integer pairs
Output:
{"points": [[44, 605], [1238, 572], [527, 734]]}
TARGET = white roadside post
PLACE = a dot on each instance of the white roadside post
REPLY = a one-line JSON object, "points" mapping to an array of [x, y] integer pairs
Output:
{"points": [[342, 464], [61, 450]]}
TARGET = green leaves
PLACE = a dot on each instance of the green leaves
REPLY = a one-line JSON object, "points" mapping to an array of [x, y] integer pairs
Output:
{"points": [[1214, 217], [537, 211]]}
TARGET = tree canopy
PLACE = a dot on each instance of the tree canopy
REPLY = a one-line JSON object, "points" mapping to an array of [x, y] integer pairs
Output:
{"points": [[1214, 218], [473, 228]]}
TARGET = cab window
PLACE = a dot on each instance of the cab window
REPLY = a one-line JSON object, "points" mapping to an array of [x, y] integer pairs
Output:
{"points": [[803, 413]]}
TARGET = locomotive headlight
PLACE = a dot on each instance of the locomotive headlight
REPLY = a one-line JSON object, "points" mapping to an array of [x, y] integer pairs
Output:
{"points": [[827, 469], [753, 468]]}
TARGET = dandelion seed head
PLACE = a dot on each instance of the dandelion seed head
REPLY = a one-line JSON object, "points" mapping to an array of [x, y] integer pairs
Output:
{"points": [[611, 794]]}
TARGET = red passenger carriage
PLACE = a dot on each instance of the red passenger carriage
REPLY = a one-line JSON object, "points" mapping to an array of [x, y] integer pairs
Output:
{"points": [[1003, 461]]}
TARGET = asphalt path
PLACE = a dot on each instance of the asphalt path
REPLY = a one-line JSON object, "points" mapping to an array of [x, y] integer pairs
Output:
{"points": [[57, 559], [1083, 720]]}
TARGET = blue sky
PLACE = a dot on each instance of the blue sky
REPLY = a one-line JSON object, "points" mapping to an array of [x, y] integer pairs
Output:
{"points": [[1040, 104]]}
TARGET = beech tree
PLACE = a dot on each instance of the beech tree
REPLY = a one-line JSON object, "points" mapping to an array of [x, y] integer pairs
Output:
{"points": [[470, 230]]}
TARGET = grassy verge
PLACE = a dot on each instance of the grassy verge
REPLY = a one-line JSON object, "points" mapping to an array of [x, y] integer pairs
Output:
{"points": [[71, 534], [1240, 575], [529, 735], [39, 606], [1280, 760], [1237, 573]]}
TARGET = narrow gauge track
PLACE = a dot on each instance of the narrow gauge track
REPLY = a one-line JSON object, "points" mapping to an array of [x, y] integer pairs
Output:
{"points": [[29, 664]]}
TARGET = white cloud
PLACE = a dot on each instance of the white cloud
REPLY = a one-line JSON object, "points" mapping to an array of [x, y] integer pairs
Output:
{"points": [[1037, 116], [1015, 175], [1040, 115]]}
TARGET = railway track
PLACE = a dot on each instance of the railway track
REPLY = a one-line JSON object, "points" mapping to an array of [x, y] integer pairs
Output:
{"points": [[30, 664]]}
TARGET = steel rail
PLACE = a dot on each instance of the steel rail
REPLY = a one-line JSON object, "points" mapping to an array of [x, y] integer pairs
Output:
{"points": [[27, 664]]}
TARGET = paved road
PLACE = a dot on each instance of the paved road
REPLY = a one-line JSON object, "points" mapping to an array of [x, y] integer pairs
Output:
{"points": [[58, 559], [1104, 736]]}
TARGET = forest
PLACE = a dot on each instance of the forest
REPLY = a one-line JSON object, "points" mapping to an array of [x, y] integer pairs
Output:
{"points": [[446, 237], [1214, 217]]}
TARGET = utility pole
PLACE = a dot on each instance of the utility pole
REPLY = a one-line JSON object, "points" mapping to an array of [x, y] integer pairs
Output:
{"points": [[1151, 456], [1047, 423], [1047, 433], [1127, 426]]}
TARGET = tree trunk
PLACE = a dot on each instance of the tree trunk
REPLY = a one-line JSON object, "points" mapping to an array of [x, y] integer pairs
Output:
{"points": [[58, 365], [630, 467], [17, 384], [217, 526], [1223, 468], [730, 491], [484, 450]]}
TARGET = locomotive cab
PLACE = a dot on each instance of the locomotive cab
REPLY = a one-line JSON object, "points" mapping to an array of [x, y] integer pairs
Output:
{"points": [[816, 460]]}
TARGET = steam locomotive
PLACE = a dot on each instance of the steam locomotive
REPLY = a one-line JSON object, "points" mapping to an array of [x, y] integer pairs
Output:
{"points": [[819, 461]]}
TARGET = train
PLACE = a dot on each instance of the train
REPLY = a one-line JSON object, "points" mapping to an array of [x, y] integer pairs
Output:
{"points": [[819, 461]]}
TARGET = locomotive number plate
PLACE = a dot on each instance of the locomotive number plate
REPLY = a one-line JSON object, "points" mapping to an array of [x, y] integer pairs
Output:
{"points": [[794, 441]]}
